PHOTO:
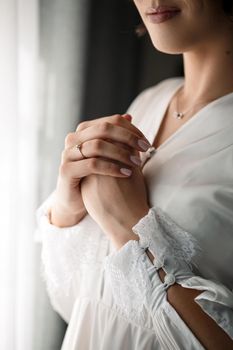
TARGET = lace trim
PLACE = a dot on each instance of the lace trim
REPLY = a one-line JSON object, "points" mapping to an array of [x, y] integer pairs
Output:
{"points": [[128, 270], [70, 252], [164, 237], [129, 280]]}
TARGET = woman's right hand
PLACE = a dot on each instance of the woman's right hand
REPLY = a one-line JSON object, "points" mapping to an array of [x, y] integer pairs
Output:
{"points": [[109, 144]]}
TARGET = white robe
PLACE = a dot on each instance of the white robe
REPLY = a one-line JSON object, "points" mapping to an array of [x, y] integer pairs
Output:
{"points": [[115, 299]]}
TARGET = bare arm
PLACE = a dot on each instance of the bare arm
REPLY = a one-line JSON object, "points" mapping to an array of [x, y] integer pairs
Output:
{"points": [[203, 327], [206, 330]]}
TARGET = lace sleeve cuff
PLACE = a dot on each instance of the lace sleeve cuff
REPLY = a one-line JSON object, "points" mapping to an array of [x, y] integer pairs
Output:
{"points": [[136, 284], [68, 254], [43, 222]]}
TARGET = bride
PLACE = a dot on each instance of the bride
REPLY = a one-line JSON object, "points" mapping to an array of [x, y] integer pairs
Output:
{"points": [[137, 237]]}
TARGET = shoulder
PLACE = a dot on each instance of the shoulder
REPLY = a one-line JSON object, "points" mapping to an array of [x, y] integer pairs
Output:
{"points": [[152, 94]]}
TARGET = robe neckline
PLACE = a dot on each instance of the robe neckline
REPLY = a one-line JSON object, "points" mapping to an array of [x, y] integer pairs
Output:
{"points": [[212, 109]]}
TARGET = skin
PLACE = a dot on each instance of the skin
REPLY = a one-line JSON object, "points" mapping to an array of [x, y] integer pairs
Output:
{"points": [[204, 36], [113, 137]]}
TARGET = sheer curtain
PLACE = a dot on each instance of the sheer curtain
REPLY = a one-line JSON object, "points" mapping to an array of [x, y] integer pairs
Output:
{"points": [[18, 175], [40, 88], [60, 61], [63, 28]]}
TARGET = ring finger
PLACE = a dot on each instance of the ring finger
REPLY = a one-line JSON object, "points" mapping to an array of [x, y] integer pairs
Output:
{"points": [[100, 148]]}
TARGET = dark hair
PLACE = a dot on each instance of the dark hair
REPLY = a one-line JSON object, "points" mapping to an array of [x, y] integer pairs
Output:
{"points": [[227, 6]]}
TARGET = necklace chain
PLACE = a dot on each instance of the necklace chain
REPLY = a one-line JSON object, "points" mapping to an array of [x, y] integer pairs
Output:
{"points": [[179, 115]]}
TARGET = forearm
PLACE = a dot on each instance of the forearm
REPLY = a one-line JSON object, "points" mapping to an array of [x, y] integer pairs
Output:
{"points": [[202, 326]]}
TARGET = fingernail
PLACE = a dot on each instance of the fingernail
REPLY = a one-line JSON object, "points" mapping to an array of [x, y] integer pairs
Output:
{"points": [[144, 145], [127, 116], [135, 160], [125, 171]]}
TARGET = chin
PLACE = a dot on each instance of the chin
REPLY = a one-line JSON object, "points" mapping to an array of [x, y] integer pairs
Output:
{"points": [[173, 44], [168, 48]]}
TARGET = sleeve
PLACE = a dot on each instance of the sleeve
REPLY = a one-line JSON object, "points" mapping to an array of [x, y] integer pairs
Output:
{"points": [[136, 284], [69, 256], [73, 257]]}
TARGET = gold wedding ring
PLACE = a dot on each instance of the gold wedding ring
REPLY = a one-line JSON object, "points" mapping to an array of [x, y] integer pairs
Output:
{"points": [[79, 148]]}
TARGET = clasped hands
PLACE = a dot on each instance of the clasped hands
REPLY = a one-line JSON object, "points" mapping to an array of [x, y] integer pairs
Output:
{"points": [[116, 204], [96, 180]]}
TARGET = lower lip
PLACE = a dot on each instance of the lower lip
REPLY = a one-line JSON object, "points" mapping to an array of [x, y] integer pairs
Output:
{"points": [[162, 17]]}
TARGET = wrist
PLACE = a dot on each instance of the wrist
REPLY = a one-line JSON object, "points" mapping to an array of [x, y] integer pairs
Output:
{"points": [[62, 218], [123, 236], [120, 232]]}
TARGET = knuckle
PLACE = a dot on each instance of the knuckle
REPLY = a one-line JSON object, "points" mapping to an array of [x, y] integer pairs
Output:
{"points": [[112, 168], [98, 145], [93, 164], [64, 169], [124, 154], [69, 139], [105, 127], [132, 139], [81, 126], [117, 118]]}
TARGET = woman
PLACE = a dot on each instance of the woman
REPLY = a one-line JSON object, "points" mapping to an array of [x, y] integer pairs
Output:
{"points": [[139, 255]]}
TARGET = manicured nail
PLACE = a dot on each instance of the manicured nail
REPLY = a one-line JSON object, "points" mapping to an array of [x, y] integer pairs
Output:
{"points": [[136, 160], [127, 116], [144, 145], [125, 171]]}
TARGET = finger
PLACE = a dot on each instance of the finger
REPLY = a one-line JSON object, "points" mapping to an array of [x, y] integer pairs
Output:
{"points": [[116, 119], [127, 116], [106, 131], [100, 148], [85, 167]]}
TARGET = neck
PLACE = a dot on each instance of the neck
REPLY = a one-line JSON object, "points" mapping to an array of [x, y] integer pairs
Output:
{"points": [[209, 66]]}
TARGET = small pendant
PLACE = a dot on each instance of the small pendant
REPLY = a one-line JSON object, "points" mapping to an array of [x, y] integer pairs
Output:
{"points": [[178, 115]]}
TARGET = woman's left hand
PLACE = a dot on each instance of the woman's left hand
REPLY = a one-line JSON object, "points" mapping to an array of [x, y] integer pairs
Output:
{"points": [[116, 204]]}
